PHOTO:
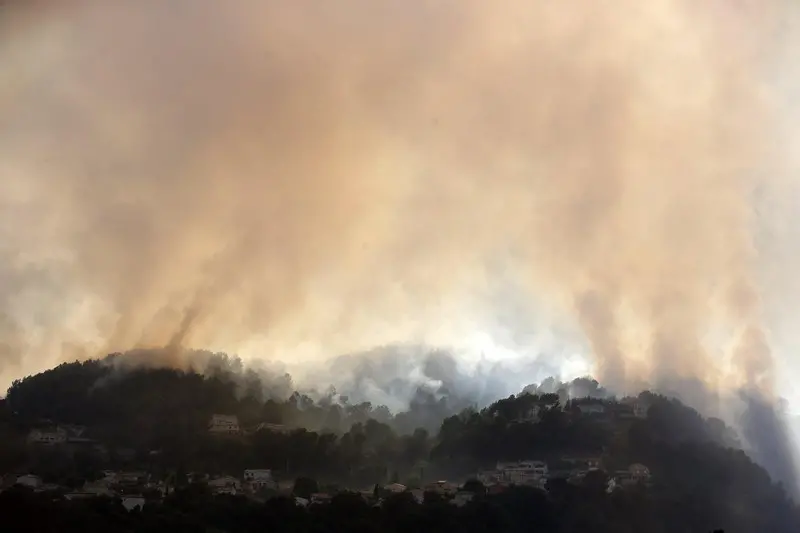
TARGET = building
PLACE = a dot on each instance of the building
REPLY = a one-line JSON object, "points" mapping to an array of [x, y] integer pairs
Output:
{"points": [[132, 502], [639, 472], [320, 498], [395, 488], [258, 479], [530, 473], [79, 495], [48, 436], [640, 409], [443, 488], [592, 408], [224, 424], [462, 498], [30, 481], [527, 473], [225, 485], [271, 428], [496, 488], [635, 474], [300, 502]]}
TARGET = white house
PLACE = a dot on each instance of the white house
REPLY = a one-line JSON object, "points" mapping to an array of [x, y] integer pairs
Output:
{"points": [[29, 480], [300, 502], [54, 436], [531, 473], [132, 502], [259, 479], [224, 424], [462, 498]]}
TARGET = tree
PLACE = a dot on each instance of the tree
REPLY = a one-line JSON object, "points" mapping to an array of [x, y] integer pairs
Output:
{"points": [[304, 487], [474, 486]]}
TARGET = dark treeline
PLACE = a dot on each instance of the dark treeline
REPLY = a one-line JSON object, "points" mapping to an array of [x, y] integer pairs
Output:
{"points": [[701, 480], [218, 383], [565, 509]]}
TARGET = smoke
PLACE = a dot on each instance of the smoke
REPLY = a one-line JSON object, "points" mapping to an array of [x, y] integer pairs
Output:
{"points": [[293, 180]]}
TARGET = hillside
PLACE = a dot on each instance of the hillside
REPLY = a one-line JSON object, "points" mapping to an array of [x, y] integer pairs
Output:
{"points": [[157, 420]]}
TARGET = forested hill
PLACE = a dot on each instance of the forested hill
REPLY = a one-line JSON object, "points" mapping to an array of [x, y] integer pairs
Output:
{"points": [[699, 478]]}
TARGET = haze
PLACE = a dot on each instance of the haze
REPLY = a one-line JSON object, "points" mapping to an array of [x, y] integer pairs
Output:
{"points": [[295, 180]]}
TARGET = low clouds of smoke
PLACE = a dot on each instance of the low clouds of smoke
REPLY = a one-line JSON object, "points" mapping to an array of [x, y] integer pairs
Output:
{"points": [[299, 179]]}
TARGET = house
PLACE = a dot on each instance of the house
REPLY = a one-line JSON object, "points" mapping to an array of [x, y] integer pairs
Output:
{"points": [[496, 488], [636, 473], [271, 428], [589, 409], [132, 502], [224, 424], [47, 436], [30, 481], [258, 479], [639, 472], [320, 498], [225, 485], [300, 502], [530, 473], [637, 406], [395, 488], [79, 495], [442, 487], [462, 498]]}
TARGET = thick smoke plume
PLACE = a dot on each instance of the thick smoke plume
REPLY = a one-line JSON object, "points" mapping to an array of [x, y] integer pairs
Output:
{"points": [[291, 180]]}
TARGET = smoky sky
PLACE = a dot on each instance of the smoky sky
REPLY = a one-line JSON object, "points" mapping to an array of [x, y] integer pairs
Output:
{"points": [[293, 180]]}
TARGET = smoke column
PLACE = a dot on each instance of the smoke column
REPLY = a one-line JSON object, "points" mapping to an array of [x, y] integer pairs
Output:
{"points": [[293, 180]]}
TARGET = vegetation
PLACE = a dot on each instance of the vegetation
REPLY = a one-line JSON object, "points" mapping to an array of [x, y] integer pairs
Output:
{"points": [[701, 480], [582, 508]]}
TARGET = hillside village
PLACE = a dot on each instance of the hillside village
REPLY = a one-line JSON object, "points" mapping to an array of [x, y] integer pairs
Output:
{"points": [[137, 487], [158, 441]]}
